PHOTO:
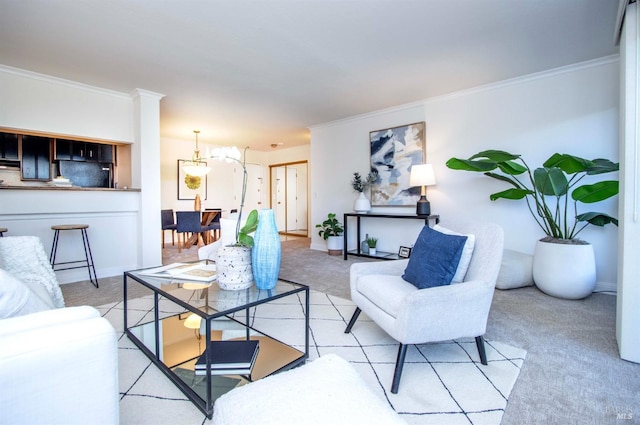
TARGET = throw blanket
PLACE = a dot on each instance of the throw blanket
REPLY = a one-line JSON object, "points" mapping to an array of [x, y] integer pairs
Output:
{"points": [[24, 258]]}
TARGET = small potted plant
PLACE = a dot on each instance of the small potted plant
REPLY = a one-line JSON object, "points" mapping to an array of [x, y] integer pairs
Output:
{"points": [[372, 242], [331, 231], [362, 204]]}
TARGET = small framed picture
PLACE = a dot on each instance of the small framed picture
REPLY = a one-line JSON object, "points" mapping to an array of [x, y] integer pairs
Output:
{"points": [[404, 252]]}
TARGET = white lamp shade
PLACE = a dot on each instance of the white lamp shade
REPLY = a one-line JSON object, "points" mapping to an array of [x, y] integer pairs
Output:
{"points": [[422, 175], [192, 321], [196, 169]]}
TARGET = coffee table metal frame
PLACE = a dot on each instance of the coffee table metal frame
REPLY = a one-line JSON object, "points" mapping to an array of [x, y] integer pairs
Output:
{"points": [[257, 297]]}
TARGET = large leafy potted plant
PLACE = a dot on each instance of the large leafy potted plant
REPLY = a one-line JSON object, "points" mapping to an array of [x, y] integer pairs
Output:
{"points": [[563, 265], [331, 231]]}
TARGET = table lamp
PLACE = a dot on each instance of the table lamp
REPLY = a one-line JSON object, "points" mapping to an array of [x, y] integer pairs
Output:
{"points": [[422, 175]]}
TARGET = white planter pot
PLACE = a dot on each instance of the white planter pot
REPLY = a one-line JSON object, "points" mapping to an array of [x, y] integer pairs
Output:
{"points": [[362, 204], [335, 244], [372, 251], [234, 268], [564, 270]]}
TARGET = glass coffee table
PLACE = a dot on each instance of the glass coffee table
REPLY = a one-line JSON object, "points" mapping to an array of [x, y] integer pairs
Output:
{"points": [[171, 322]]}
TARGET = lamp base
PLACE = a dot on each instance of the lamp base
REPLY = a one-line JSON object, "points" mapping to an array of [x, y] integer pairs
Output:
{"points": [[423, 207]]}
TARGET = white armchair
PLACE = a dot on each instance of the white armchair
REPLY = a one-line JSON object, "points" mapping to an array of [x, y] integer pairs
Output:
{"points": [[416, 316]]}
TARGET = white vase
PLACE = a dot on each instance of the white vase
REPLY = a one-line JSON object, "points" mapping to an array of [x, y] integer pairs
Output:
{"points": [[372, 251], [564, 270], [334, 245], [362, 204]]}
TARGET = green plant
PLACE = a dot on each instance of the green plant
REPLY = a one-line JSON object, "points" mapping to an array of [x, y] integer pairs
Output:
{"points": [[372, 242], [547, 189], [359, 185], [330, 227], [244, 239]]}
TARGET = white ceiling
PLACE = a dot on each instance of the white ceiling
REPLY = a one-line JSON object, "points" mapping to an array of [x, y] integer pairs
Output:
{"points": [[253, 73]]}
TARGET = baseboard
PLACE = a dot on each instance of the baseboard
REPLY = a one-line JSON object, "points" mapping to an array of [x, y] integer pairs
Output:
{"points": [[608, 287]]}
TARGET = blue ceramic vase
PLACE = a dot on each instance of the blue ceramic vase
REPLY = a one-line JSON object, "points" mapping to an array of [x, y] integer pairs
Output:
{"points": [[267, 251]]}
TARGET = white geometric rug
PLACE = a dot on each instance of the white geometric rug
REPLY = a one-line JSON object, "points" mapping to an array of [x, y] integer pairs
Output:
{"points": [[442, 383]]}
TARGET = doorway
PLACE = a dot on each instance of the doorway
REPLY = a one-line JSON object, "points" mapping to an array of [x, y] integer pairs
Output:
{"points": [[289, 197]]}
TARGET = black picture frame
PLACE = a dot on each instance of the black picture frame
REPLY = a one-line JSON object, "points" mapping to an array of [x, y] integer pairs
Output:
{"points": [[404, 252]]}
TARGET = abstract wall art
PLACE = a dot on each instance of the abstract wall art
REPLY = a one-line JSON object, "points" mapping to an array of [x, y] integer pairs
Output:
{"points": [[393, 152]]}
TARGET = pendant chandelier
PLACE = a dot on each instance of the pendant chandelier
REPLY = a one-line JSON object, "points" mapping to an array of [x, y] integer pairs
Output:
{"points": [[197, 166]]}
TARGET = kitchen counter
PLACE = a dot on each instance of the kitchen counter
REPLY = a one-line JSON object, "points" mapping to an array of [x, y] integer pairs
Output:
{"points": [[72, 188]]}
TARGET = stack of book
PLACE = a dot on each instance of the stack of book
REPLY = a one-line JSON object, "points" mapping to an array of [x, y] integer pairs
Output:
{"points": [[228, 358]]}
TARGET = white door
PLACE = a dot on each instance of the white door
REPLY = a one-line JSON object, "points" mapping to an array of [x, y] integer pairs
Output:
{"points": [[292, 198]]}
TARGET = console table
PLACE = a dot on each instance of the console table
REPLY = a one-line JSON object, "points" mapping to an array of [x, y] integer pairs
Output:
{"points": [[379, 254]]}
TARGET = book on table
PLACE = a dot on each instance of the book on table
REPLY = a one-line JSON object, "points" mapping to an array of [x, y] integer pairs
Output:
{"points": [[199, 272], [235, 357]]}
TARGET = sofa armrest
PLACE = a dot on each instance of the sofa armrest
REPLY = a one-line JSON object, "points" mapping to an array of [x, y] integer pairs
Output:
{"points": [[61, 366], [209, 252]]}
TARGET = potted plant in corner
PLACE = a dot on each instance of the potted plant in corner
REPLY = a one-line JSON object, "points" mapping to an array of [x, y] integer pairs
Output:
{"points": [[362, 205], [563, 265], [331, 231]]}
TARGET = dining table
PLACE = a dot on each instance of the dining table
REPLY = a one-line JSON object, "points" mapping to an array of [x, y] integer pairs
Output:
{"points": [[209, 236]]}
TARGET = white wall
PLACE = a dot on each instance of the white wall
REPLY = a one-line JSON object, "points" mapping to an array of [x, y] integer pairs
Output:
{"points": [[33, 101], [224, 179], [628, 302], [572, 110]]}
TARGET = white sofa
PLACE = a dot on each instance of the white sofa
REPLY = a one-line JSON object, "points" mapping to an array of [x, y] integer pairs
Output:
{"points": [[57, 365]]}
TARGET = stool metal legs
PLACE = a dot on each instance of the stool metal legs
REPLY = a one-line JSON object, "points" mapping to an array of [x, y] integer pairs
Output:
{"points": [[93, 278]]}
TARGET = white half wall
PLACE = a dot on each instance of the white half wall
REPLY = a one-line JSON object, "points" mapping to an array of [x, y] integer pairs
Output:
{"points": [[570, 110]]}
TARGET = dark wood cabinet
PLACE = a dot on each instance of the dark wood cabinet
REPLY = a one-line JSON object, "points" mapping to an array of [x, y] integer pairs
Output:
{"points": [[9, 146], [105, 153], [64, 149], [40, 157], [36, 158], [74, 150]]}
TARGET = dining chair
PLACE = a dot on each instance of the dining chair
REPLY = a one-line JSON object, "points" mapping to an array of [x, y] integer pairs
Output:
{"points": [[189, 222], [168, 223]]}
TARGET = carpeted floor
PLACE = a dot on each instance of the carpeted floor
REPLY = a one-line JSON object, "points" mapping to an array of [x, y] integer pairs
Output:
{"points": [[573, 373]]}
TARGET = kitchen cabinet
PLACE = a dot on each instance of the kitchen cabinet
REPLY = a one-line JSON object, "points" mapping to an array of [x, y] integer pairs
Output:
{"points": [[36, 158], [74, 150], [9, 146]]}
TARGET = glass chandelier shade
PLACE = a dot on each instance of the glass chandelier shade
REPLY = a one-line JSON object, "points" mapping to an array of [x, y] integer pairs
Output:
{"points": [[197, 166]]}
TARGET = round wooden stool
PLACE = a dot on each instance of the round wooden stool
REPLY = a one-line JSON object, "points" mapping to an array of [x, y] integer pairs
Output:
{"points": [[2, 230], [88, 261]]}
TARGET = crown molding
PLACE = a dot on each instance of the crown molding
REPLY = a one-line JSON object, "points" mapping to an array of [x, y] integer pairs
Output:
{"points": [[61, 81]]}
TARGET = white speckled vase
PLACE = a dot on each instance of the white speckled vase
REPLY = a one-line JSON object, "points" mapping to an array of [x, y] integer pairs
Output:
{"points": [[234, 268]]}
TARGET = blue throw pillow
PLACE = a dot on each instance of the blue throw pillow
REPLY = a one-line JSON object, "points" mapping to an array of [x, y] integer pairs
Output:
{"points": [[434, 259]]}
